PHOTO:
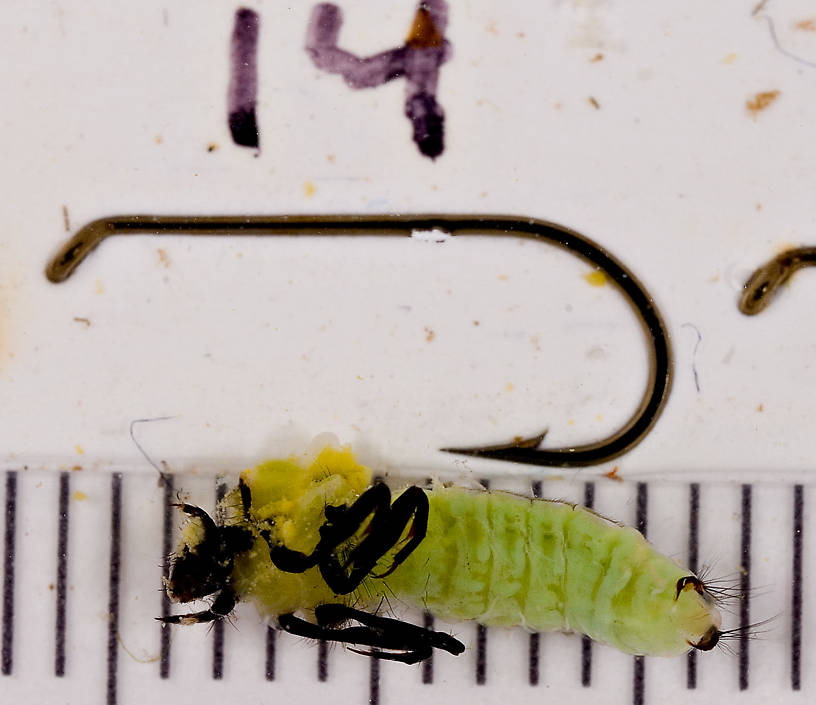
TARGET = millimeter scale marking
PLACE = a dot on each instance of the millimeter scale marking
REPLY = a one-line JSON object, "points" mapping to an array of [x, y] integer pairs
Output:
{"points": [[796, 592], [641, 524], [745, 585], [693, 566], [14, 551], [9, 546], [115, 574], [62, 574]]}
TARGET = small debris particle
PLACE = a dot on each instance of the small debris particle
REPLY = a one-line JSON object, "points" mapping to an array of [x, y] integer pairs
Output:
{"points": [[80, 319], [476, 323], [761, 101], [808, 25], [212, 146], [503, 277], [761, 407], [99, 287], [730, 58], [50, 586], [613, 475], [759, 206], [163, 258], [79, 449], [330, 158], [594, 103], [520, 35], [76, 468], [159, 139], [509, 387], [759, 7], [596, 278], [423, 34], [79, 496], [492, 28], [308, 189], [595, 59], [571, 422], [65, 220], [429, 334]]}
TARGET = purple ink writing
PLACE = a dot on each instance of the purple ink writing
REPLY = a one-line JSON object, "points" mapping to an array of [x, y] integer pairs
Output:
{"points": [[243, 86], [418, 61]]}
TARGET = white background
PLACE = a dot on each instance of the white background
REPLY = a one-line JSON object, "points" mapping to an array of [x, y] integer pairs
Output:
{"points": [[255, 346]]}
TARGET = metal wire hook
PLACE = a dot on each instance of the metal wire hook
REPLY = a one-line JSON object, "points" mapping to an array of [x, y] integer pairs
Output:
{"points": [[519, 450], [761, 286]]}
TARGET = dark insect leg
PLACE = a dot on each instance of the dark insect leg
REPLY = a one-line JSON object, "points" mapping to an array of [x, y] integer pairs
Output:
{"points": [[223, 604], [403, 642], [411, 503], [341, 524], [383, 532]]}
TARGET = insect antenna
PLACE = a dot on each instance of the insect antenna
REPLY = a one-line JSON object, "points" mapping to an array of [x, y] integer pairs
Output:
{"points": [[727, 589], [750, 631]]}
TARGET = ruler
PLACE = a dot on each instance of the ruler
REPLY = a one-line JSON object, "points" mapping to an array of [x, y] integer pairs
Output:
{"points": [[84, 556]]}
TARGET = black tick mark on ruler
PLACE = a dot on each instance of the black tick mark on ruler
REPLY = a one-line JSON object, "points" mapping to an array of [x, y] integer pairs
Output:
{"points": [[62, 574], [693, 560], [641, 523], [796, 599], [113, 586], [8, 574], [167, 548], [218, 625], [481, 635], [745, 586], [586, 642]]}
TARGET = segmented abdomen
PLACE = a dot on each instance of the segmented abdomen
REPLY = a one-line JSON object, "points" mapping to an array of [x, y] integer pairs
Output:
{"points": [[507, 560]]}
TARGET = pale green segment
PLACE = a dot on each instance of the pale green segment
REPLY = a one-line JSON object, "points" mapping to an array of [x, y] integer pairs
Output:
{"points": [[507, 560]]}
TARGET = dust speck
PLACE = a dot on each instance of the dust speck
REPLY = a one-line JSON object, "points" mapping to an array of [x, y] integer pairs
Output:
{"points": [[760, 102], [79, 496], [613, 475], [596, 278]]}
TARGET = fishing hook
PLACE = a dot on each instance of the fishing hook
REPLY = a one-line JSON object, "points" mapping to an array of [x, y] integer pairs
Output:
{"points": [[519, 450]]}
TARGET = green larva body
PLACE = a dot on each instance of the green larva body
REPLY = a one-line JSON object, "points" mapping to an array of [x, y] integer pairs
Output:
{"points": [[507, 560], [493, 557]]}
